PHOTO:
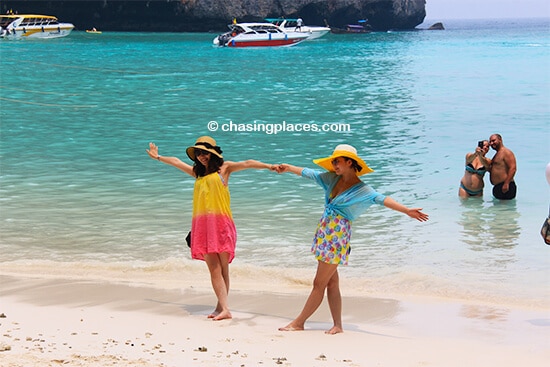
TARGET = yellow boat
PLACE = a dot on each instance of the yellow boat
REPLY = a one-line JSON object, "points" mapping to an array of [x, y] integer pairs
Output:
{"points": [[33, 26]]}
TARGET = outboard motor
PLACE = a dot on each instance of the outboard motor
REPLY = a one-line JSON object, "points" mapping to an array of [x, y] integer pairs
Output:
{"points": [[223, 39]]}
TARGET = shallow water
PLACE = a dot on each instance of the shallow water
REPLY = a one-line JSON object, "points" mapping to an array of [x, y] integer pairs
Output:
{"points": [[79, 192]]}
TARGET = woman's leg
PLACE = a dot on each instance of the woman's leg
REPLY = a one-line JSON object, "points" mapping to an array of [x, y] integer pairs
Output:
{"points": [[335, 304], [218, 265], [324, 273], [224, 261]]}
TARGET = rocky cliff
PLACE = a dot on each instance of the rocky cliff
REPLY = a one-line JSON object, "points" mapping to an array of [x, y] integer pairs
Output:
{"points": [[214, 15]]}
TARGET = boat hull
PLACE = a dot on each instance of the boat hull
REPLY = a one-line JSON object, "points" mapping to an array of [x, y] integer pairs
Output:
{"points": [[41, 32], [21, 26], [312, 32], [263, 43], [347, 31], [291, 26], [352, 29], [259, 41], [258, 35]]}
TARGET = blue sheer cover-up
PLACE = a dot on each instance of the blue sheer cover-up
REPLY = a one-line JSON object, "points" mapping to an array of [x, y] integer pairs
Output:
{"points": [[351, 203]]}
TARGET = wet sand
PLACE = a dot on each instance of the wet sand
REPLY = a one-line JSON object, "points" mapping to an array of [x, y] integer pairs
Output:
{"points": [[50, 322]]}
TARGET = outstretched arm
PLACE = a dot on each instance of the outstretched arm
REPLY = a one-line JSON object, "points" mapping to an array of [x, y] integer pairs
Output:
{"points": [[153, 152], [470, 157], [414, 213], [290, 168], [229, 167], [485, 161], [248, 164], [482, 158]]}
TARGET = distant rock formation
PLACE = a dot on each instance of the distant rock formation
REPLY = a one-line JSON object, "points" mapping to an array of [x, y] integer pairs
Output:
{"points": [[437, 26], [214, 15]]}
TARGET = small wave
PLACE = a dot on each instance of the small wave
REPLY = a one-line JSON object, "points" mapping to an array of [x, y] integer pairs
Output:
{"points": [[175, 273]]}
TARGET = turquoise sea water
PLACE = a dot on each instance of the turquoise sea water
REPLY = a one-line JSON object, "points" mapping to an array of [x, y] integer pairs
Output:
{"points": [[79, 193]]}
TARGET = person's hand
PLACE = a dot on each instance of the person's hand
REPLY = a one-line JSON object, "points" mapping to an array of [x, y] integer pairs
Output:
{"points": [[282, 168], [505, 187], [416, 213], [153, 151]]}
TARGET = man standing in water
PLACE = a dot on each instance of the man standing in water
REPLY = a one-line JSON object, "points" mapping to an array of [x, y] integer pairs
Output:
{"points": [[503, 169]]}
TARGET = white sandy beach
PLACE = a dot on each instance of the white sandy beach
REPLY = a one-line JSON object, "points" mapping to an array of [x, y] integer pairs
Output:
{"points": [[56, 322]]}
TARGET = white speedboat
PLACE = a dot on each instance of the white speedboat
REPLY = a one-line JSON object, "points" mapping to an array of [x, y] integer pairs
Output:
{"points": [[33, 26], [291, 24], [257, 35]]}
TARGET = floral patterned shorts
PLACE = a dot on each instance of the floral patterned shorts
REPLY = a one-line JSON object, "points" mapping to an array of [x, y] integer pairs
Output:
{"points": [[331, 242]]}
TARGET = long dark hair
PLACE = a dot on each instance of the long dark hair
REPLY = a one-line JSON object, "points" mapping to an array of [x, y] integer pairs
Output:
{"points": [[354, 164], [214, 163]]}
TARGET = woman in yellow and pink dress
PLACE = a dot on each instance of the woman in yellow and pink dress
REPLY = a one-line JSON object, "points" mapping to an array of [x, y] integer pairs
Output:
{"points": [[346, 197], [213, 233]]}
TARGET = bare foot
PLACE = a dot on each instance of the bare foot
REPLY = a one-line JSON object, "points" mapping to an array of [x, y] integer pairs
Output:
{"points": [[216, 311], [291, 327], [224, 315], [334, 330]]}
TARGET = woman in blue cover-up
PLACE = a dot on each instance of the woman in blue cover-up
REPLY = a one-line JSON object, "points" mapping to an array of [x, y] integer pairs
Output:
{"points": [[346, 197]]}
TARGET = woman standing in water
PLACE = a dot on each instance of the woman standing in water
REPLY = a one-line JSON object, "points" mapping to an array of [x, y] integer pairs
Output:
{"points": [[477, 165], [346, 197], [213, 233]]}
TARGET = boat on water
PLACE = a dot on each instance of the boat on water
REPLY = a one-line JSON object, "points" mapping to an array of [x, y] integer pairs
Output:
{"points": [[361, 27], [93, 31], [20, 26], [291, 25], [257, 35]]}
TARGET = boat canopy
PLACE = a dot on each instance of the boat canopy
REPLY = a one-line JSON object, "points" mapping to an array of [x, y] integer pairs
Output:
{"points": [[288, 22], [28, 19], [255, 27], [355, 26], [270, 20]]}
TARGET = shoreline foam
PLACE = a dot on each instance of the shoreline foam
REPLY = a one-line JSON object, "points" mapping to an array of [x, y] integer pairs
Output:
{"points": [[171, 274]]}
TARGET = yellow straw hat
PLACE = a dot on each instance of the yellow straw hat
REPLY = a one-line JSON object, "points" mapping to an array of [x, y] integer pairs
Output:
{"points": [[344, 150], [205, 143]]}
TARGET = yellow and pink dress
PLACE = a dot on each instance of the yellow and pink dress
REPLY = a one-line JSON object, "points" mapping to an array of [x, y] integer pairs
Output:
{"points": [[212, 226]]}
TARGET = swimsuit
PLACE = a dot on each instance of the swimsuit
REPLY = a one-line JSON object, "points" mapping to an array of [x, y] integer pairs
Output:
{"points": [[212, 226], [331, 243], [481, 172], [508, 195], [470, 192]]}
